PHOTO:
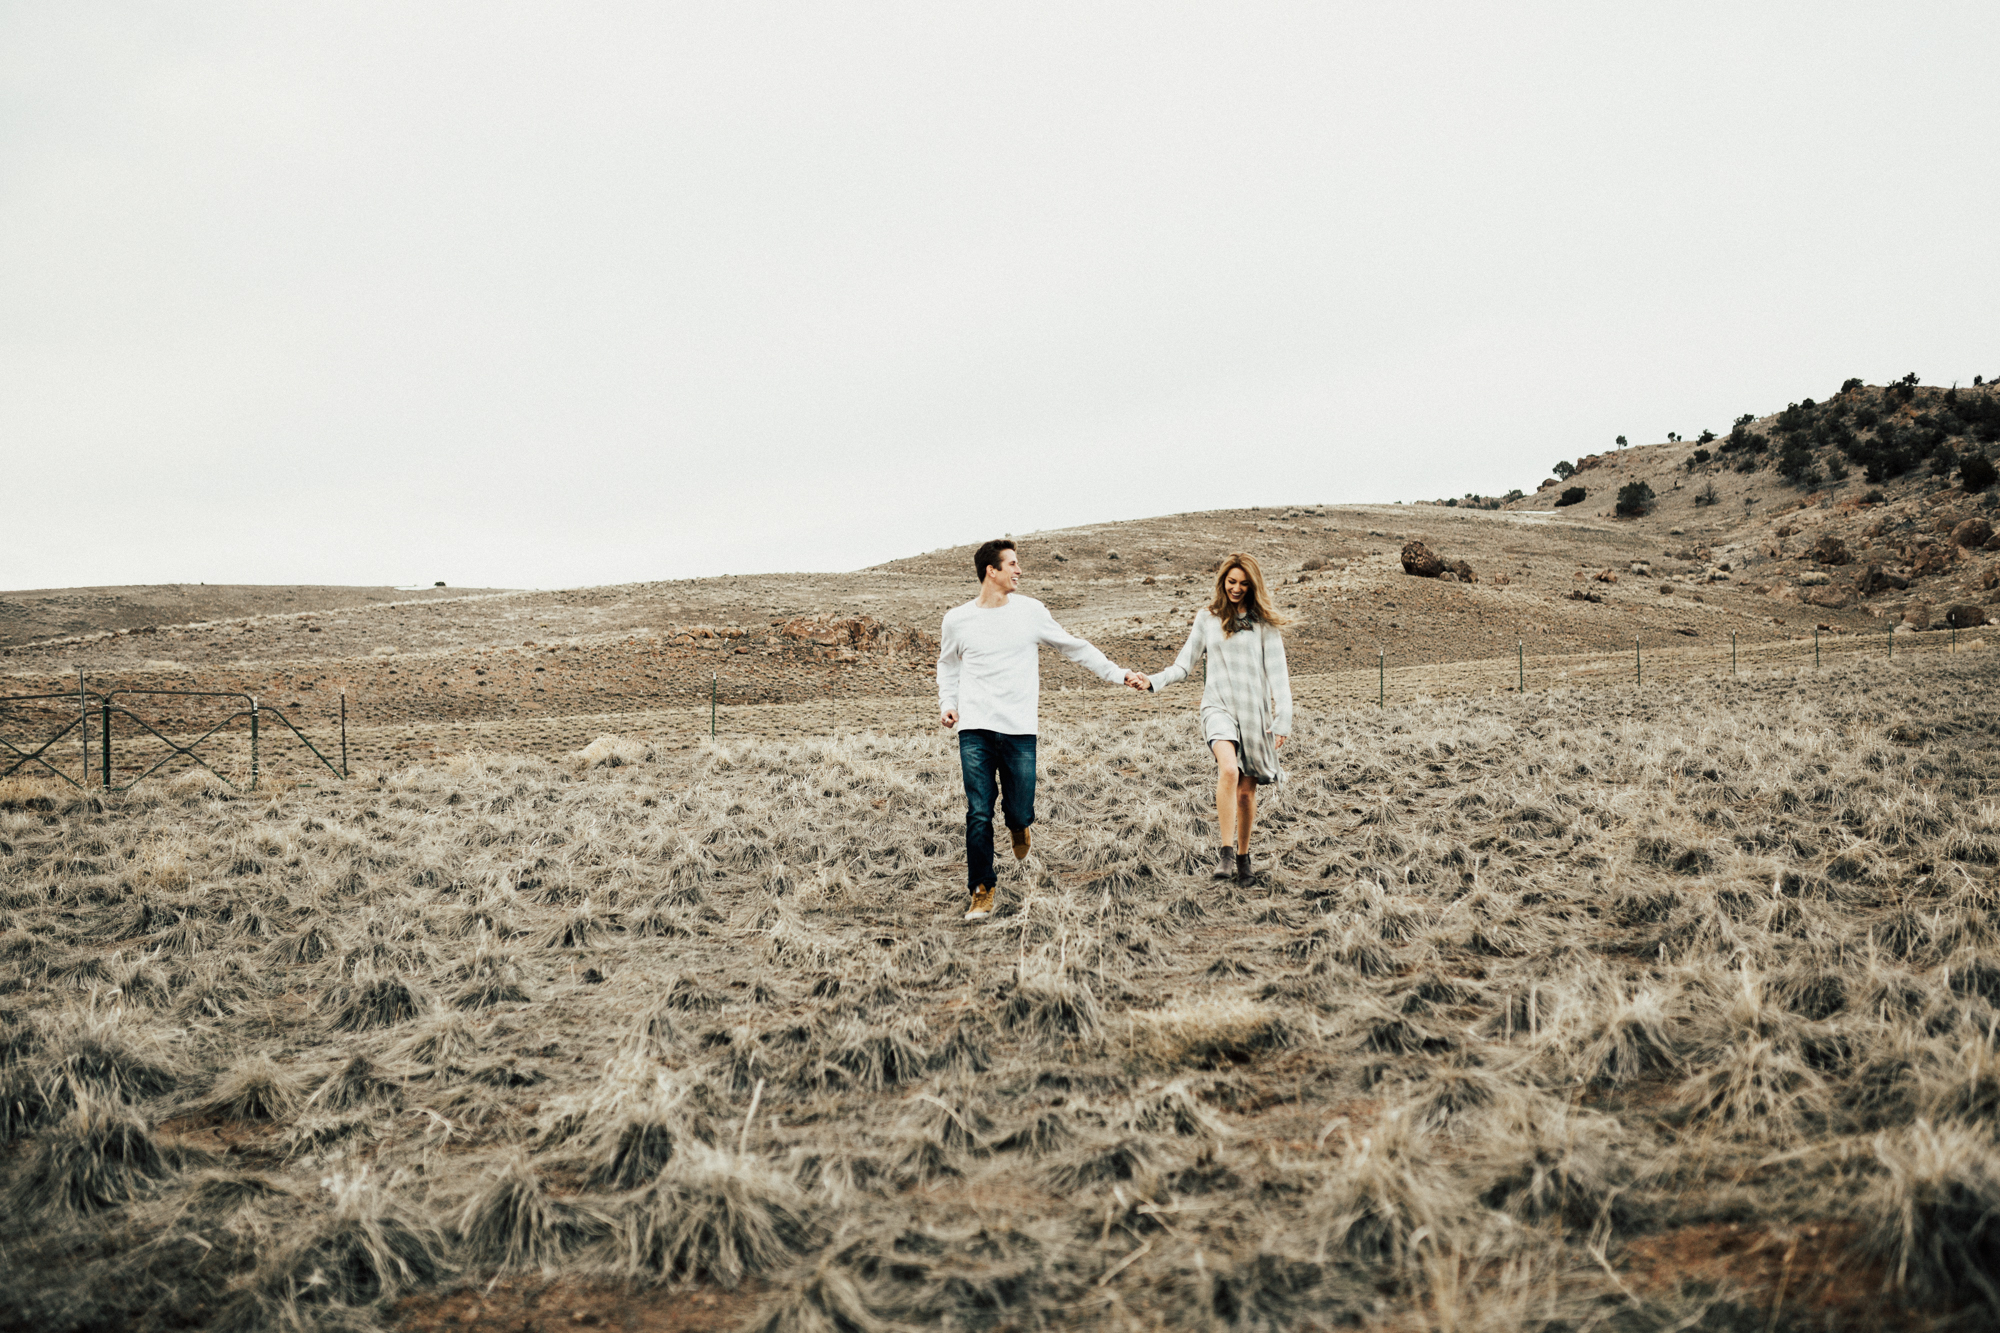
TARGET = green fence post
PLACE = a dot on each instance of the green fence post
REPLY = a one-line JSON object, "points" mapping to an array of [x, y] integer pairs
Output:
{"points": [[105, 720], [1520, 667], [343, 735], [253, 745], [83, 725], [711, 706], [1638, 668], [1954, 638], [1815, 647]]}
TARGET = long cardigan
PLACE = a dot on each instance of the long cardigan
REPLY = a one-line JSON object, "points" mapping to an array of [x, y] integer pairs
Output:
{"points": [[1247, 694]]}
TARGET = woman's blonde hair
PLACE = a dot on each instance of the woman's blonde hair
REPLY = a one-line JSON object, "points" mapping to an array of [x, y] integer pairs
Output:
{"points": [[1256, 603]]}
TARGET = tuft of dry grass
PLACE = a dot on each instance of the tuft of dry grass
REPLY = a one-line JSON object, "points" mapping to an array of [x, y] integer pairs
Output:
{"points": [[1932, 1214], [256, 1089], [1218, 1028], [510, 1222], [714, 1214], [368, 1246], [101, 1155]]}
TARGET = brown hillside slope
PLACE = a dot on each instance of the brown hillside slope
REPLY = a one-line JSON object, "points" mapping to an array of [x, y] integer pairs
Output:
{"points": [[816, 651]]}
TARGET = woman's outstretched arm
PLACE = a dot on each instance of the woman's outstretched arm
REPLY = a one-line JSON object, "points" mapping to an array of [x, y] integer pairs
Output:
{"points": [[1191, 651]]}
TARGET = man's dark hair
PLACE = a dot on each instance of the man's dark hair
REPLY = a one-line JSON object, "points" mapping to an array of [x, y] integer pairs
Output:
{"points": [[988, 555]]}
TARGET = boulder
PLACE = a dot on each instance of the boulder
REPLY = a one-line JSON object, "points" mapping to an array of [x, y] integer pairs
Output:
{"points": [[1831, 598], [1917, 615], [1607, 576], [1464, 572], [1973, 532], [1991, 543], [1814, 578], [1421, 560], [1876, 579], [1965, 616], [1830, 550], [1931, 558]]}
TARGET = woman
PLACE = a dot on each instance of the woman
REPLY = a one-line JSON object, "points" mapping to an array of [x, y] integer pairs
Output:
{"points": [[1246, 702]]}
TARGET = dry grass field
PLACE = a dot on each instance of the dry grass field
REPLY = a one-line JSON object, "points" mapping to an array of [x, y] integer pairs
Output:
{"points": [[1659, 1007]]}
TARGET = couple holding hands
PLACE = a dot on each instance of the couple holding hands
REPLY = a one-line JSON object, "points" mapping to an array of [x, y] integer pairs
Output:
{"points": [[989, 692]]}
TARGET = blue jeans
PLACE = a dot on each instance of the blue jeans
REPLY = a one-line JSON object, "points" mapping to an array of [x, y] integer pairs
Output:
{"points": [[983, 755]]}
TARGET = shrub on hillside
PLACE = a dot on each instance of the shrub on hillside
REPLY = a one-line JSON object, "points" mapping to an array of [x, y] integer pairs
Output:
{"points": [[1564, 470], [1574, 495], [1742, 438], [1634, 498], [1977, 472], [1795, 461], [1696, 459], [1707, 495]]}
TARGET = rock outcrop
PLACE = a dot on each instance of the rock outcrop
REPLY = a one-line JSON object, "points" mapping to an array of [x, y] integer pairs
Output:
{"points": [[1874, 579], [1973, 532], [1965, 616], [1421, 560]]}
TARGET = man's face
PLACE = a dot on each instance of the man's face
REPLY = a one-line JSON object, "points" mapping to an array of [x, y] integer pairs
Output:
{"points": [[1005, 576]]}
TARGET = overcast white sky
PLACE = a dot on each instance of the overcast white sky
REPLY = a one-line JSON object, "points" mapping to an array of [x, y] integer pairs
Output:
{"points": [[542, 295]]}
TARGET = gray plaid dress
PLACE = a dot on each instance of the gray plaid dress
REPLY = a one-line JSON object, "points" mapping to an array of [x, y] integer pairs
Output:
{"points": [[1246, 696]]}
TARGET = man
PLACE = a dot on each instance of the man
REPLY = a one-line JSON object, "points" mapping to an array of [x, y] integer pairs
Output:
{"points": [[989, 691]]}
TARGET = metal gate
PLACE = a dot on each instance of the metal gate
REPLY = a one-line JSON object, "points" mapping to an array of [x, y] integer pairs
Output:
{"points": [[74, 713]]}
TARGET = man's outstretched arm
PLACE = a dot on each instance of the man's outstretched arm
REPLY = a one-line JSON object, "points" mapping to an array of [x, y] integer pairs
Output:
{"points": [[1085, 654]]}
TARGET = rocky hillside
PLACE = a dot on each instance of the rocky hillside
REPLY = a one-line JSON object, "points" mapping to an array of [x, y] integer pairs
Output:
{"points": [[1880, 498]]}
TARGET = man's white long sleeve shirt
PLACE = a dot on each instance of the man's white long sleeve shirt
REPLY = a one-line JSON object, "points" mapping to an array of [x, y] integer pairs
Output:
{"points": [[988, 671]]}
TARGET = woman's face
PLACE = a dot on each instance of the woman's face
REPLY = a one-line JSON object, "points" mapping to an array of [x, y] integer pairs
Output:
{"points": [[1236, 585]]}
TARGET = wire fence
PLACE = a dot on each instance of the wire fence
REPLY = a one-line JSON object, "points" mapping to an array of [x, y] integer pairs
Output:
{"points": [[1523, 672], [115, 738], [91, 738]]}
